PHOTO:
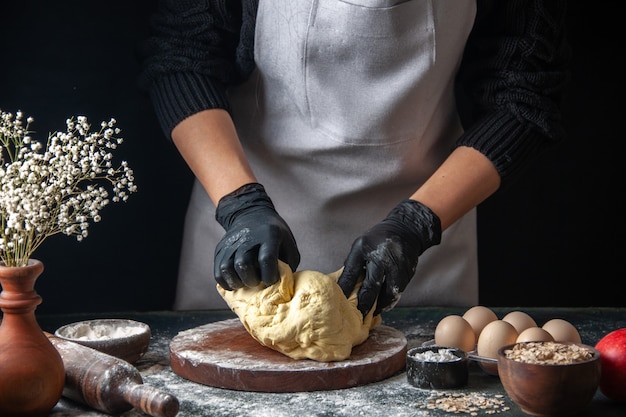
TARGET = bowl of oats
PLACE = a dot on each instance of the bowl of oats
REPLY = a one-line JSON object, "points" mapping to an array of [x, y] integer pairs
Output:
{"points": [[437, 367], [549, 378]]}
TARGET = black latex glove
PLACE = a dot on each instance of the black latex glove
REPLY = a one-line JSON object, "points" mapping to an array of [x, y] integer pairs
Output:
{"points": [[256, 238], [386, 255]]}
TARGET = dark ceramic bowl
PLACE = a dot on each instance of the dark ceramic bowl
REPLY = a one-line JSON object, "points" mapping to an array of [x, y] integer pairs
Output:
{"points": [[542, 389], [426, 370], [122, 338]]}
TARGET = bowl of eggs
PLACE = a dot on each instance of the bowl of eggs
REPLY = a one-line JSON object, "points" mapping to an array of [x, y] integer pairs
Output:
{"points": [[480, 333], [549, 378], [122, 338]]}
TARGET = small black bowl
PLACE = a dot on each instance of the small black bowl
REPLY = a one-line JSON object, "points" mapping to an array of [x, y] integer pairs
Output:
{"points": [[433, 373]]}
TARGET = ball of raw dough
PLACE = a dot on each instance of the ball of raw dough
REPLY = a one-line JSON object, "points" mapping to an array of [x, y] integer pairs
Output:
{"points": [[304, 315]]}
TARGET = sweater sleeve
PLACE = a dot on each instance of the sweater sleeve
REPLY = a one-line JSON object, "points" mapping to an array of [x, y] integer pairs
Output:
{"points": [[196, 49], [512, 77]]}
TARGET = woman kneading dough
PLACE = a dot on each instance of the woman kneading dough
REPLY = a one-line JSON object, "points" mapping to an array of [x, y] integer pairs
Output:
{"points": [[357, 135]]}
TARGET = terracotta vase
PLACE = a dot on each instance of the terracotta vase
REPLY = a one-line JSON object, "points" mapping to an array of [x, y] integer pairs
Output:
{"points": [[32, 374]]}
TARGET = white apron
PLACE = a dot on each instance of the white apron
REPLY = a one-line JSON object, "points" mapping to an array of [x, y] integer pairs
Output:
{"points": [[350, 110]]}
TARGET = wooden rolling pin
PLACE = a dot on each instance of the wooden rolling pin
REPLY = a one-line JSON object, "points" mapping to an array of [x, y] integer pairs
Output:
{"points": [[109, 384]]}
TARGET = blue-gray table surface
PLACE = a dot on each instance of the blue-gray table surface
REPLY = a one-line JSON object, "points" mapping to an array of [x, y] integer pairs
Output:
{"points": [[391, 397]]}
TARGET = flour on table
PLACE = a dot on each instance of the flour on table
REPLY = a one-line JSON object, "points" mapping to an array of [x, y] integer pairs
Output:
{"points": [[304, 315]]}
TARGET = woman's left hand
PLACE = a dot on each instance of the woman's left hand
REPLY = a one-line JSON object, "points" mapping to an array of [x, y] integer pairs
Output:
{"points": [[386, 255]]}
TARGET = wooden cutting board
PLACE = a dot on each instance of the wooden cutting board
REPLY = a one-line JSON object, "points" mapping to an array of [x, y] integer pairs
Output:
{"points": [[224, 355]]}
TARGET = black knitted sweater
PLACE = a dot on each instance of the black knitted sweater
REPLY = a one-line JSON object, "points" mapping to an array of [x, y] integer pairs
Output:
{"points": [[509, 85]]}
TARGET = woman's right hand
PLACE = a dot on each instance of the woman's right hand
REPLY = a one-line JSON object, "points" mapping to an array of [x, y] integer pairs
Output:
{"points": [[256, 238]]}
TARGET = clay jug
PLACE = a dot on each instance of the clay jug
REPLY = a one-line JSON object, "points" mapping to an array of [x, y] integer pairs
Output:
{"points": [[32, 374]]}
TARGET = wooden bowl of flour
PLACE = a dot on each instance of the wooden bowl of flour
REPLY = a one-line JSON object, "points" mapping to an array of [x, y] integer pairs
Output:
{"points": [[122, 338]]}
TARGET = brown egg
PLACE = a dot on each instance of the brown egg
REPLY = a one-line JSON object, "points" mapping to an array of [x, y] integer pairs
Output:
{"points": [[455, 331], [495, 335], [562, 331], [478, 317], [520, 320], [534, 334]]}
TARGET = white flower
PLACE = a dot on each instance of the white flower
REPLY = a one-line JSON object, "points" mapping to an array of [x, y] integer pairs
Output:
{"points": [[56, 188]]}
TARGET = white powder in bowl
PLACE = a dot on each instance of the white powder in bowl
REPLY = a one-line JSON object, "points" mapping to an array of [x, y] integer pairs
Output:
{"points": [[99, 331], [440, 355]]}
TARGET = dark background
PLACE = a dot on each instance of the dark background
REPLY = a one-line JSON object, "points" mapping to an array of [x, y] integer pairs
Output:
{"points": [[555, 238]]}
